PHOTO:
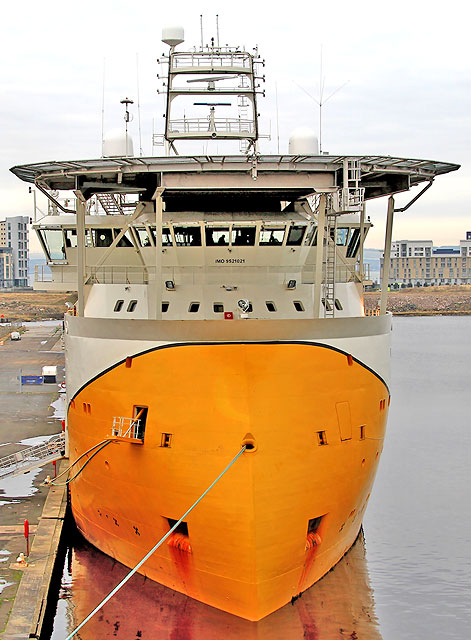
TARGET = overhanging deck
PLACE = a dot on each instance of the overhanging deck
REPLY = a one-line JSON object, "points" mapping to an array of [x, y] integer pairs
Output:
{"points": [[288, 175]]}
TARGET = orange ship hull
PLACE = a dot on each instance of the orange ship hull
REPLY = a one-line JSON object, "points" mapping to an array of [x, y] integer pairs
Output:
{"points": [[282, 516]]}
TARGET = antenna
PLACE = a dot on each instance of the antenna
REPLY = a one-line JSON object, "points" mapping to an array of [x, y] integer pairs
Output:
{"points": [[103, 112], [138, 105], [277, 119], [201, 27], [217, 30], [127, 117], [321, 102]]}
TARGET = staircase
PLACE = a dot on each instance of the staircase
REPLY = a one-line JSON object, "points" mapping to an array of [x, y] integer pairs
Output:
{"points": [[110, 203], [33, 457]]}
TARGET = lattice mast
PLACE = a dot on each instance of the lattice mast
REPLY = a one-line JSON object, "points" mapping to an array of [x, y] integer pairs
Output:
{"points": [[222, 81]]}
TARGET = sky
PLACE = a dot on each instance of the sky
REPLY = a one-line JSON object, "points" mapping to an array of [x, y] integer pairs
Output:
{"points": [[401, 73]]}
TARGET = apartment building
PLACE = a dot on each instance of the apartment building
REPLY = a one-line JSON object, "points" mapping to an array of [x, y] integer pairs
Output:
{"points": [[14, 236], [419, 263], [6, 268]]}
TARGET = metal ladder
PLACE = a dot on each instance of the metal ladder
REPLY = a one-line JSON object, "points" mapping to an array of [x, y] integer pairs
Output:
{"points": [[328, 299], [33, 457]]}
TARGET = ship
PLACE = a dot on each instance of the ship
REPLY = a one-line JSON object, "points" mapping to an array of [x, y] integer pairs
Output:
{"points": [[219, 315]]}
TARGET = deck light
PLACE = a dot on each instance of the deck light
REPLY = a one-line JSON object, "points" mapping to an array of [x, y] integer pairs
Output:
{"points": [[170, 285]]}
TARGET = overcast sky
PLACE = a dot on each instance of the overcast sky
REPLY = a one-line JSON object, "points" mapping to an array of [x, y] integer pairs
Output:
{"points": [[406, 64]]}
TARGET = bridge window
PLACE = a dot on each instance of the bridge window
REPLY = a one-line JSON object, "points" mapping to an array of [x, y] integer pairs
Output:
{"points": [[102, 237], [217, 236], [272, 236], [143, 236], [295, 235], [54, 243], [166, 236], [243, 236], [342, 236], [187, 236], [70, 238], [125, 241], [311, 235], [353, 243]]}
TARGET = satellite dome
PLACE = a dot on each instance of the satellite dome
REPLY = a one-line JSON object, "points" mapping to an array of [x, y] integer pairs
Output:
{"points": [[303, 141], [173, 36], [114, 144]]}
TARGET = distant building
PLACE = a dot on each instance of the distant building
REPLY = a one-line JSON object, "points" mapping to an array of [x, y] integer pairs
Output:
{"points": [[6, 268], [14, 236], [419, 263]]}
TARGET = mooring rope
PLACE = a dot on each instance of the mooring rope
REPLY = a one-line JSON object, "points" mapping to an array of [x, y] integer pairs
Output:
{"points": [[154, 548], [101, 446]]}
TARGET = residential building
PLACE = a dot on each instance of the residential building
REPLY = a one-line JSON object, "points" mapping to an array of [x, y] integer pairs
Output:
{"points": [[419, 263], [14, 236], [6, 268]]}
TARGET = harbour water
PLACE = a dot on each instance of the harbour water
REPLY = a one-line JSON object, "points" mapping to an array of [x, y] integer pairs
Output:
{"points": [[409, 577]]}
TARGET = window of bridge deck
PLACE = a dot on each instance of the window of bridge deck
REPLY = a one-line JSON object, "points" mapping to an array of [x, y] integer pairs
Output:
{"points": [[166, 237], [243, 236], [54, 243], [270, 236], [217, 236], [187, 236], [295, 235]]}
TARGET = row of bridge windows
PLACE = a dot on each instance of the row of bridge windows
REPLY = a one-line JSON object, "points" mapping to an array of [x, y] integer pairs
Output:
{"points": [[56, 241]]}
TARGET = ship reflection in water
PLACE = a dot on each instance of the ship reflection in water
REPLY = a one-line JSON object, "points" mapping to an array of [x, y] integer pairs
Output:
{"points": [[341, 605]]}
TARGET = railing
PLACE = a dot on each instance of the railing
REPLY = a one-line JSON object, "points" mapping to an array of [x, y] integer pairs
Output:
{"points": [[33, 457], [233, 59], [204, 125], [96, 275], [126, 428]]}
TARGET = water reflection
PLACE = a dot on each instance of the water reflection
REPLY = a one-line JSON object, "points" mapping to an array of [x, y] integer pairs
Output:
{"points": [[339, 606]]}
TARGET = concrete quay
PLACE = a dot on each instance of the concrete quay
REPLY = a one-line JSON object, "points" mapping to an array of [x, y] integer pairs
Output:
{"points": [[28, 413]]}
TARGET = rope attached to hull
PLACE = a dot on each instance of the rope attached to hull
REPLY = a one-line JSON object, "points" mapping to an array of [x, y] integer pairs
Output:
{"points": [[154, 548]]}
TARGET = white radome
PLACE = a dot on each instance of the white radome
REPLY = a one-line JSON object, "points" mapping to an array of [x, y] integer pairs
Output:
{"points": [[303, 140], [114, 145], [173, 35]]}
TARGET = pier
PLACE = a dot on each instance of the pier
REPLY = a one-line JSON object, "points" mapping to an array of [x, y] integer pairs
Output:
{"points": [[29, 424]]}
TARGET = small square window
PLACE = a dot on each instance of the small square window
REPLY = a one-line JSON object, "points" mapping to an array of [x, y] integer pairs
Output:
{"points": [[298, 305], [321, 438], [270, 306], [338, 304], [218, 307], [362, 432], [165, 306], [132, 305], [194, 307], [119, 305], [166, 440]]}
